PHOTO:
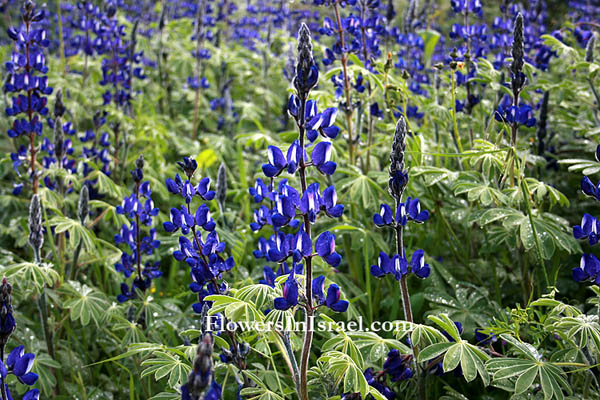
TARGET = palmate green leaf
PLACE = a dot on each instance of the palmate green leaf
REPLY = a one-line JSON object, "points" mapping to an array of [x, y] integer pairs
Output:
{"points": [[38, 274], [524, 373], [542, 190], [85, 303], [164, 364], [524, 348], [420, 335], [558, 308], [584, 327], [470, 358], [259, 394], [379, 346], [433, 351], [360, 188], [481, 192], [563, 50], [235, 309], [468, 303], [105, 184], [345, 371], [444, 322], [433, 175], [77, 232], [260, 295], [587, 167]]}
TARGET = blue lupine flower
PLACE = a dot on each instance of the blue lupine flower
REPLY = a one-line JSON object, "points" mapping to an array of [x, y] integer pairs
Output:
{"points": [[418, 265], [131, 235], [329, 203], [589, 189], [588, 229], [33, 394], [410, 210], [311, 201], [284, 269], [284, 211], [588, 270], [522, 115], [322, 123], [320, 158], [203, 255], [376, 381], [259, 191], [290, 293], [294, 154], [332, 300], [262, 217], [282, 248], [398, 366], [277, 162], [385, 216], [384, 266], [325, 248], [20, 364]]}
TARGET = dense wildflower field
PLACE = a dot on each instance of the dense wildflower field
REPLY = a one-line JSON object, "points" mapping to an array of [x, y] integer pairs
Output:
{"points": [[308, 199]]}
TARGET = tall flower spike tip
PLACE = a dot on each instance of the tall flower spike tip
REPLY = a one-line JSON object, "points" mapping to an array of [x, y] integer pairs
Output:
{"points": [[517, 46], [589, 49], [83, 206], [306, 70], [201, 375], [36, 235], [398, 175], [409, 16]]}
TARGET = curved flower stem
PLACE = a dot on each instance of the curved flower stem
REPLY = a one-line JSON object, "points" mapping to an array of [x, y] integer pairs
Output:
{"points": [[308, 334], [344, 59]]}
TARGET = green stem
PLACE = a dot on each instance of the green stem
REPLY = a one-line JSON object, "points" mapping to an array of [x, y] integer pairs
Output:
{"points": [[44, 318], [538, 243], [454, 120]]}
